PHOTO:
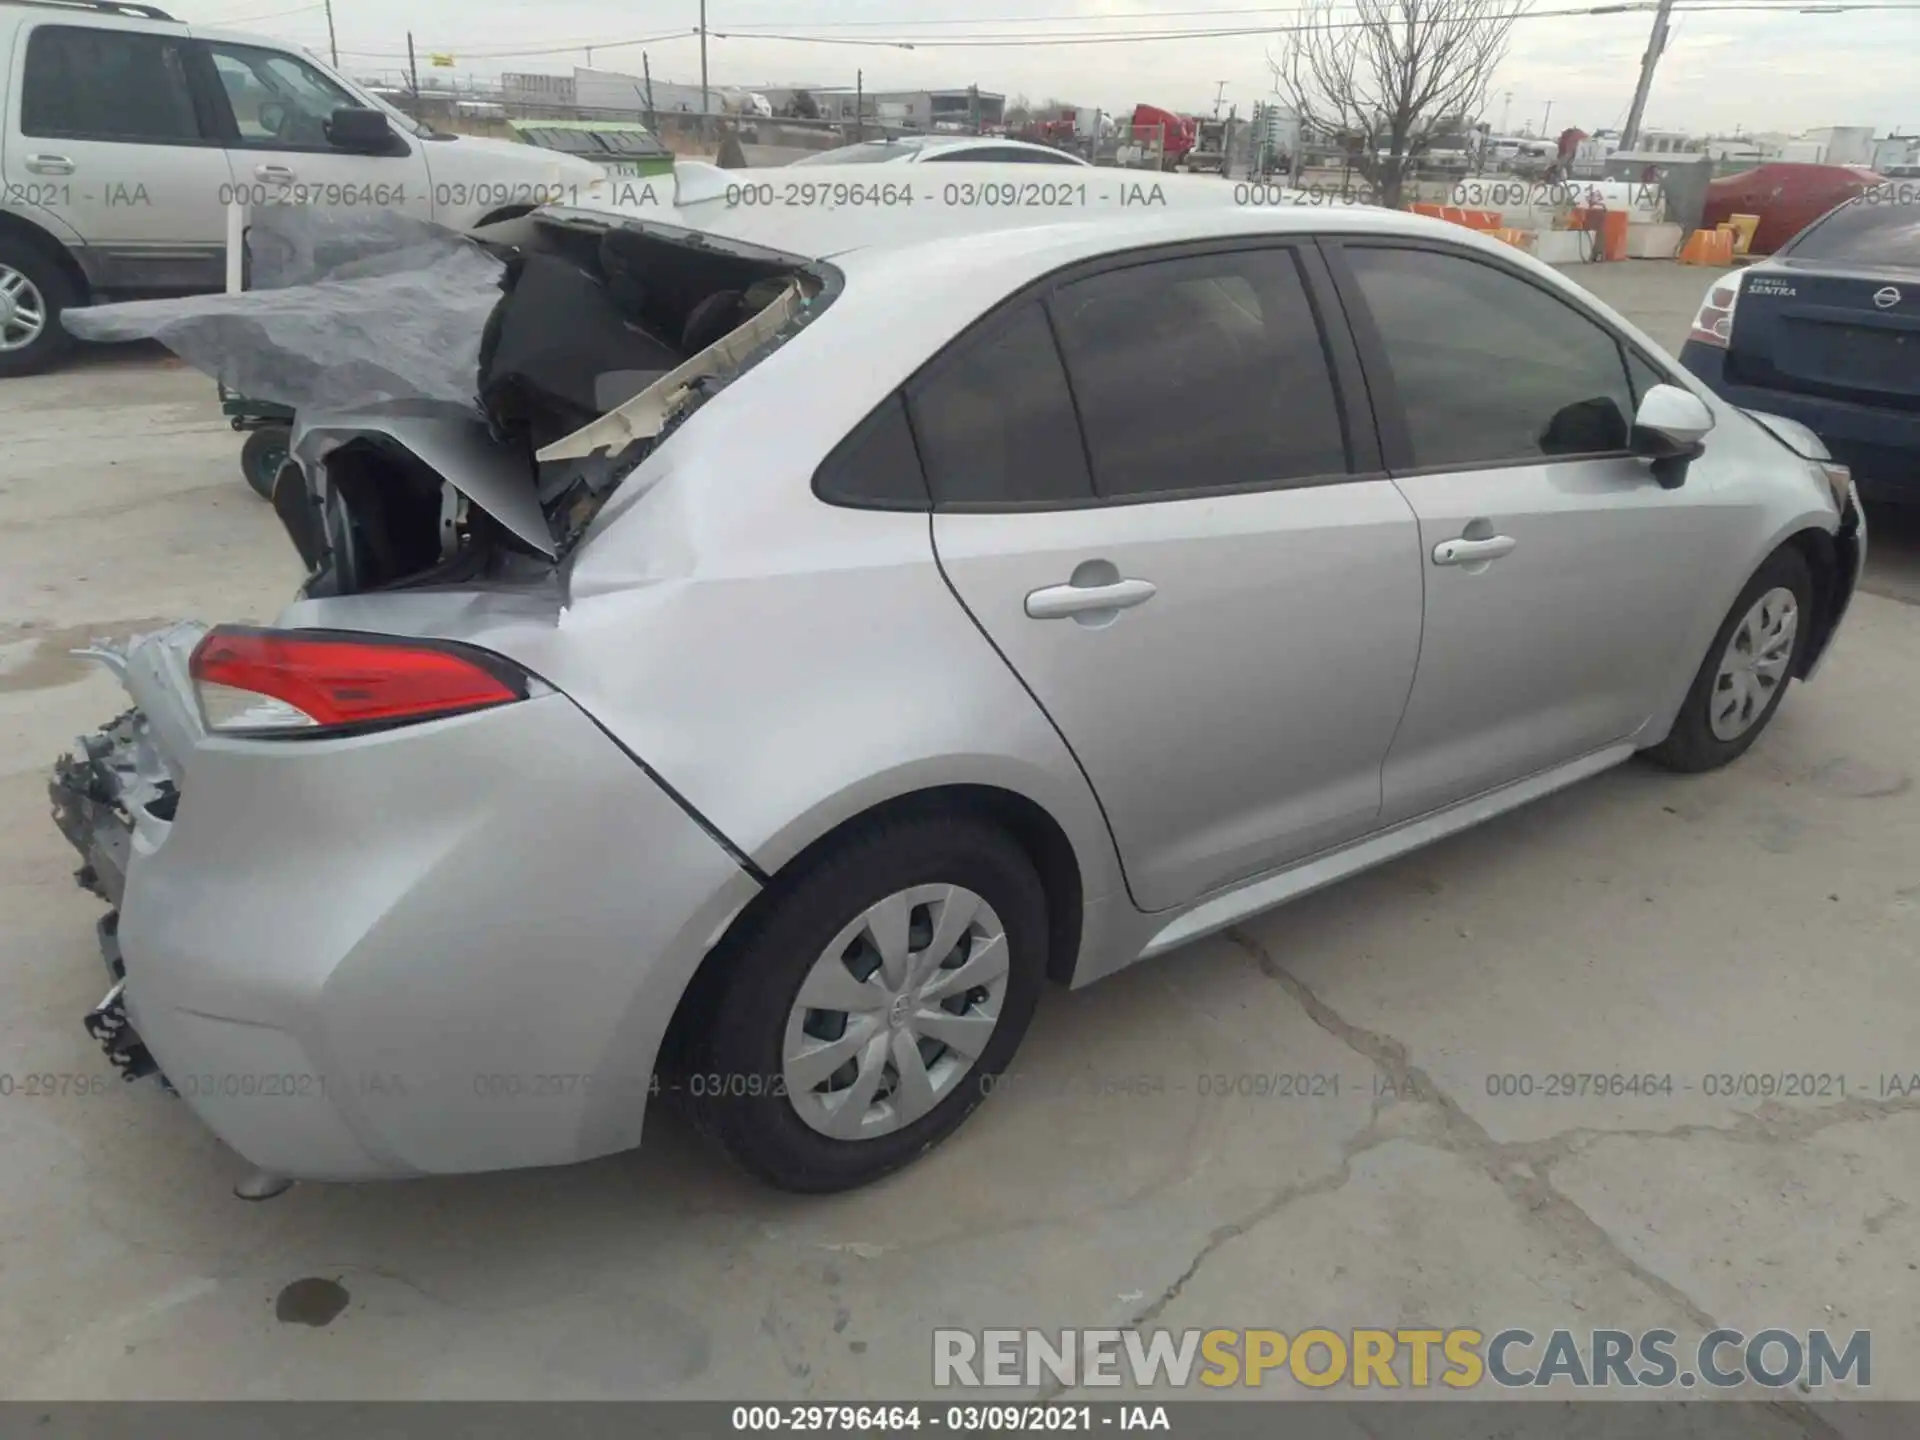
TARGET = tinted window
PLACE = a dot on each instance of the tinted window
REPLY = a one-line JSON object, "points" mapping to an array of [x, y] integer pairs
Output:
{"points": [[995, 421], [1863, 234], [1644, 377], [1490, 367], [278, 102], [1200, 372], [107, 85], [876, 465]]}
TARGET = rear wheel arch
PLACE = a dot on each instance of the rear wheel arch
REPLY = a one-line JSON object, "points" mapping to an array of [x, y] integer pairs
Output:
{"points": [[1023, 820]]}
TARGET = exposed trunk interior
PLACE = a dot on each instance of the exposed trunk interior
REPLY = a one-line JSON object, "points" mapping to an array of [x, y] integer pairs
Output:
{"points": [[591, 316]]}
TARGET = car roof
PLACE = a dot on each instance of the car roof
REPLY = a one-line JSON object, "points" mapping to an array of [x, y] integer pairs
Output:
{"points": [[939, 141], [916, 144], [834, 212]]}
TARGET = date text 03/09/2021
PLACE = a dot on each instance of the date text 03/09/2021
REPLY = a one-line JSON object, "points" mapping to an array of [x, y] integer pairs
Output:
{"points": [[961, 1419]]}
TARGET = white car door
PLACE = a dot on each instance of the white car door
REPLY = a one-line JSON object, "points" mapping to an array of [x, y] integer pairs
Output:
{"points": [[278, 106], [1156, 491], [108, 133]]}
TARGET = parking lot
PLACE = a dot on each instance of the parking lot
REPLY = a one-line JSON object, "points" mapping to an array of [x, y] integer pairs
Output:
{"points": [[1741, 934]]}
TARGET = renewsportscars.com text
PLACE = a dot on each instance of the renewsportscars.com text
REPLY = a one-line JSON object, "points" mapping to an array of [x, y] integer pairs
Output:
{"points": [[1456, 1359]]}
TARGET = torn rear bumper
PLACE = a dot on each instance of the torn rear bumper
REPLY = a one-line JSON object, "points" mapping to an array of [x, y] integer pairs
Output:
{"points": [[90, 790], [444, 948]]}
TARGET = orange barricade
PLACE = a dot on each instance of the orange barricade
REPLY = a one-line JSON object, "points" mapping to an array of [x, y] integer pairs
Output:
{"points": [[1708, 247], [1612, 226]]}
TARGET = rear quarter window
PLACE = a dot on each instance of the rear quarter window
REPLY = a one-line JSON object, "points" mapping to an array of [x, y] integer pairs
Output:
{"points": [[877, 467]]}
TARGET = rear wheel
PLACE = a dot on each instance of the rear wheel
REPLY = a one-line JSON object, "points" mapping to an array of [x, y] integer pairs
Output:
{"points": [[871, 1006], [33, 292], [1745, 674]]}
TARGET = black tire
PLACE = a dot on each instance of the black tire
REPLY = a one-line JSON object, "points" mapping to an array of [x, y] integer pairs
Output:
{"points": [[1691, 746], [745, 1026], [56, 294], [262, 456]]}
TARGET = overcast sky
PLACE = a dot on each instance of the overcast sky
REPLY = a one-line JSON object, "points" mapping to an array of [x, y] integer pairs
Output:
{"points": [[1771, 70]]}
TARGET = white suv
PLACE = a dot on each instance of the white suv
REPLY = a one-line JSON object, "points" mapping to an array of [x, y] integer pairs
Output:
{"points": [[126, 135]]}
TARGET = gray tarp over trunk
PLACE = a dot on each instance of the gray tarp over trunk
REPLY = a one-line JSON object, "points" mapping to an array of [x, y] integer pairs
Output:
{"points": [[347, 307]]}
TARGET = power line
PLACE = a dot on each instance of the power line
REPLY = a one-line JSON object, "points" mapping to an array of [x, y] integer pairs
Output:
{"points": [[1049, 19], [249, 19], [569, 49], [990, 40], [1126, 37]]}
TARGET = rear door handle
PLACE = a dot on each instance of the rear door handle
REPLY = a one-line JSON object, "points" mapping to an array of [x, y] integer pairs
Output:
{"points": [[1473, 552], [273, 174], [49, 165], [1057, 602]]}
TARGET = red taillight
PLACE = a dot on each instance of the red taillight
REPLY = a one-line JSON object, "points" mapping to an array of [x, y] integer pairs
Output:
{"points": [[303, 682], [1713, 325]]}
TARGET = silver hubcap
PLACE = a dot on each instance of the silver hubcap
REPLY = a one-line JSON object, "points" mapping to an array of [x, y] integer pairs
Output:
{"points": [[23, 313], [895, 1012], [1754, 666]]}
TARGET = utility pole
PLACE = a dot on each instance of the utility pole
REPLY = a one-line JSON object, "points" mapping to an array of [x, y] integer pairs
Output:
{"points": [[413, 76], [646, 74], [1506, 112], [1546, 120], [705, 107], [1656, 43], [333, 45], [859, 105], [1218, 95]]}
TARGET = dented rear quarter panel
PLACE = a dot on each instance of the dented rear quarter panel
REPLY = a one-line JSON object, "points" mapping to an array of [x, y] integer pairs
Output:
{"points": [[782, 664]]}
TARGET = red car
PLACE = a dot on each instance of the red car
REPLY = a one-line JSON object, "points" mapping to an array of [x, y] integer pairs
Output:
{"points": [[1786, 197]]}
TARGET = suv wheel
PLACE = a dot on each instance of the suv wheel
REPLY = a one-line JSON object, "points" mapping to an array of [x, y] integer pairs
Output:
{"points": [[873, 1003], [33, 292], [1747, 668]]}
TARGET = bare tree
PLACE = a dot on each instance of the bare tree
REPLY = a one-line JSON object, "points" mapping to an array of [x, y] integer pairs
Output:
{"points": [[1385, 82], [1018, 112]]}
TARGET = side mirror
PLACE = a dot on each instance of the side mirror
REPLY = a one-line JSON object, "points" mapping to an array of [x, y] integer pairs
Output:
{"points": [[362, 131], [1670, 429]]}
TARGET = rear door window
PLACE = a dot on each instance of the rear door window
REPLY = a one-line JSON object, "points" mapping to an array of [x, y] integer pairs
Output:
{"points": [[124, 85], [995, 419], [1203, 372]]}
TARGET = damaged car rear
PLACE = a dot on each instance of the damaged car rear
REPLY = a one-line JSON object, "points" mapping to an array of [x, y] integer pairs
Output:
{"points": [[384, 900]]}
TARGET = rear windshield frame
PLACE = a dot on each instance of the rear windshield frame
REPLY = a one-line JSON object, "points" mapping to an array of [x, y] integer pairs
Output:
{"points": [[1844, 225]]}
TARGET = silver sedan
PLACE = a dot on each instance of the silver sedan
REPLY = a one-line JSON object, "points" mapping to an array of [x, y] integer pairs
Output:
{"points": [[838, 626]]}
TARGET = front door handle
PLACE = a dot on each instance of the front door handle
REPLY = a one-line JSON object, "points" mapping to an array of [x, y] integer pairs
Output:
{"points": [[1057, 602], [49, 165], [273, 174], [1473, 552]]}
